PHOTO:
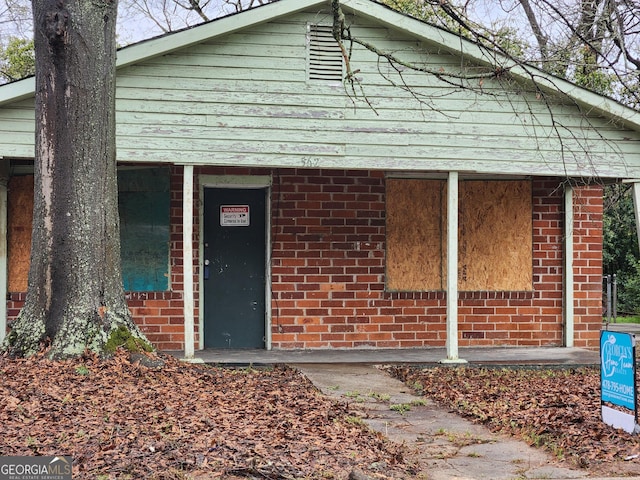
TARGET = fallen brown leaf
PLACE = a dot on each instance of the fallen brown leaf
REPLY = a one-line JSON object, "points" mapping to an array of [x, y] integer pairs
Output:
{"points": [[119, 419], [557, 409]]}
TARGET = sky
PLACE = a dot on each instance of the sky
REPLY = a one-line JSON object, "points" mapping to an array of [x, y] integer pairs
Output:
{"points": [[134, 25]]}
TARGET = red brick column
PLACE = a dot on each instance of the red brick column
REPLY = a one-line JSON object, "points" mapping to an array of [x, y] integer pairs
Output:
{"points": [[588, 208]]}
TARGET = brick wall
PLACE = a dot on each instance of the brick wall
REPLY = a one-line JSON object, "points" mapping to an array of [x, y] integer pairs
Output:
{"points": [[328, 266], [588, 208], [329, 262], [158, 314]]}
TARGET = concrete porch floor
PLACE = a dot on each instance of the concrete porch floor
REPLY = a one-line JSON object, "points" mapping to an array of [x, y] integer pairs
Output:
{"points": [[426, 356], [473, 355]]}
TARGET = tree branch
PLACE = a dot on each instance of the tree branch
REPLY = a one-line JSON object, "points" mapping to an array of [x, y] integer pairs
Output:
{"points": [[537, 31]]}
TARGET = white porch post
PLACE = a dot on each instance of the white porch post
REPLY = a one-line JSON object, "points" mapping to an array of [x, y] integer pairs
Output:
{"points": [[4, 178], [187, 260], [452, 270], [568, 268]]}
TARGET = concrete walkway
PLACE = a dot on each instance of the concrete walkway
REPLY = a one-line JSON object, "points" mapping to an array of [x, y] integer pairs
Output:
{"points": [[446, 446]]}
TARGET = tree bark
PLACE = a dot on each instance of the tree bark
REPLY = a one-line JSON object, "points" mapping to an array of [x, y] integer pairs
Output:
{"points": [[75, 297]]}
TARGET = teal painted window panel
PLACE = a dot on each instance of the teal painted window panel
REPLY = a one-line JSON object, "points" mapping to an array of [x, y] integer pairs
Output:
{"points": [[143, 201]]}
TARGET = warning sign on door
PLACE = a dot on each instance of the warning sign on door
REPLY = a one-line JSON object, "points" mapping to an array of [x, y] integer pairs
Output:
{"points": [[234, 215]]}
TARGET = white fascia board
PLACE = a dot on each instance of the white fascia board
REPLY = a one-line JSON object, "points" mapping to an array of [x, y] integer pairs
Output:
{"points": [[177, 40], [591, 102], [16, 91]]}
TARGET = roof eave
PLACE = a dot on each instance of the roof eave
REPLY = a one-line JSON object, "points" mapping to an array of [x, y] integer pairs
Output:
{"points": [[591, 102], [16, 91], [200, 33], [162, 45]]}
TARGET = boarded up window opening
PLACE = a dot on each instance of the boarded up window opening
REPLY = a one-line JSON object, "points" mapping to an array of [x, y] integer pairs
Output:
{"points": [[144, 221], [143, 202], [415, 234], [495, 245], [324, 55], [20, 218]]}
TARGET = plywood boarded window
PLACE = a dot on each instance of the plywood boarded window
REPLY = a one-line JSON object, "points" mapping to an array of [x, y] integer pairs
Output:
{"points": [[415, 234], [495, 235], [20, 217]]}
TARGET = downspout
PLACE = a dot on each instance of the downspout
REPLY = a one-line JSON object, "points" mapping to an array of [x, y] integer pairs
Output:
{"points": [[569, 285], [452, 270], [187, 261]]}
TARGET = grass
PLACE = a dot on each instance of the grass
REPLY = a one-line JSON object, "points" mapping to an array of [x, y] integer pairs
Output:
{"points": [[629, 319], [356, 396], [354, 420], [382, 397], [401, 408], [463, 439]]}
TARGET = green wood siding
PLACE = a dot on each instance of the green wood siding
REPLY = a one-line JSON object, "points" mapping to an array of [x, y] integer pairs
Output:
{"points": [[17, 129], [244, 99]]}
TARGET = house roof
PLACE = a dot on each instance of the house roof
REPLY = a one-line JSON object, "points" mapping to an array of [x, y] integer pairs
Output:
{"points": [[589, 101]]}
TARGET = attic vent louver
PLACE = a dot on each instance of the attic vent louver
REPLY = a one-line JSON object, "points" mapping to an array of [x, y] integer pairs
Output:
{"points": [[325, 56]]}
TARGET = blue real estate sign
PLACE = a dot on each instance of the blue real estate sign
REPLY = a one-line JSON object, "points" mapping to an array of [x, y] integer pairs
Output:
{"points": [[617, 356]]}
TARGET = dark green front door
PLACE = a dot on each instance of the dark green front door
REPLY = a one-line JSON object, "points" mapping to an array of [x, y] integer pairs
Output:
{"points": [[234, 267]]}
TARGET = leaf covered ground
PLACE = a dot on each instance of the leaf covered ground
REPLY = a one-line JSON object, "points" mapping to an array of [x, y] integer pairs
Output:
{"points": [[555, 409], [123, 420]]}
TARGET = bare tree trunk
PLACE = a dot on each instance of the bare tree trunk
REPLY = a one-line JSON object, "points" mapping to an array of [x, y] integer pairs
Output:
{"points": [[75, 299]]}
